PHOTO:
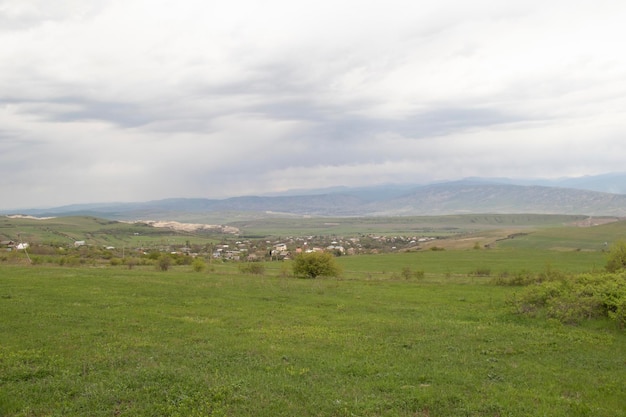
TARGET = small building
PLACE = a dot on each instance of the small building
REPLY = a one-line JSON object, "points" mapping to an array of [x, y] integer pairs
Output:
{"points": [[7, 243], [280, 247]]}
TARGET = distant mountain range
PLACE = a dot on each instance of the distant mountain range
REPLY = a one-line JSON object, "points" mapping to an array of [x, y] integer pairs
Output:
{"points": [[585, 195]]}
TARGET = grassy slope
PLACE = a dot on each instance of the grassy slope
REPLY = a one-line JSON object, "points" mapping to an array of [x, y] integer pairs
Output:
{"points": [[109, 341], [467, 261], [483, 228], [568, 238], [418, 225], [95, 231]]}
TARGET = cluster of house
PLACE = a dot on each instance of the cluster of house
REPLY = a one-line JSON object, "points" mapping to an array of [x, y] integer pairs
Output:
{"points": [[12, 245], [276, 251], [252, 251], [285, 249]]}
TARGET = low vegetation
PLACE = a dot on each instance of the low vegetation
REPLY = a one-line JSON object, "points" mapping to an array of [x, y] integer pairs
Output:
{"points": [[572, 299], [617, 257], [315, 264], [508, 330], [113, 341]]}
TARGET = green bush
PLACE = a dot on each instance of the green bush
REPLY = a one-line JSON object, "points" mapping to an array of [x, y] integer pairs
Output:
{"points": [[618, 312], [255, 268], [573, 299], [525, 277], [520, 278], [165, 261], [154, 255], [408, 273], [315, 264], [198, 265], [617, 257], [130, 262], [481, 272]]}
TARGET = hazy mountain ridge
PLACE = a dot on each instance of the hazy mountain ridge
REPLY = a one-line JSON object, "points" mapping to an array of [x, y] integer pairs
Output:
{"points": [[614, 183], [469, 197], [474, 195]]}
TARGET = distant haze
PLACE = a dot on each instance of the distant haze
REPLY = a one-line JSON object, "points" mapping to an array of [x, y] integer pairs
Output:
{"points": [[132, 100], [457, 197]]}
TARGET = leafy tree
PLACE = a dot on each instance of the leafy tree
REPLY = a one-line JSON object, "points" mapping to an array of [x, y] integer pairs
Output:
{"points": [[130, 262], [198, 265], [617, 257], [315, 264], [165, 261]]}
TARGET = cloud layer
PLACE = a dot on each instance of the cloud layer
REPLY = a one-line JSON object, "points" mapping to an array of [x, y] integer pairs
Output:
{"points": [[126, 100]]}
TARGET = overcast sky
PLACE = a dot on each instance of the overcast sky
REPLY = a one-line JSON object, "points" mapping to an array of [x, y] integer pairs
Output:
{"points": [[132, 100]]}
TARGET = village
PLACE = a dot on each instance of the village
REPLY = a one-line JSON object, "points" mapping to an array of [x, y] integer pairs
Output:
{"points": [[287, 248], [231, 248]]}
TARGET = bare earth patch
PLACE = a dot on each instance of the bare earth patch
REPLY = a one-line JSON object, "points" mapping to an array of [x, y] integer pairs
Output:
{"points": [[190, 227], [596, 221]]}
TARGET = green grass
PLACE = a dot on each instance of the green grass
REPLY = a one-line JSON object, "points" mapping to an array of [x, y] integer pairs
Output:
{"points": [[568, 238], [95, 231], [402, 225], [463, 262], [109, 341]]}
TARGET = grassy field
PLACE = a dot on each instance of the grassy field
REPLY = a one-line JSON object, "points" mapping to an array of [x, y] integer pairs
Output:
{"points": [[103, 231], [449, 225], [64, 231], [117, 342], [102, 340], [594, 238], [467, 262]]}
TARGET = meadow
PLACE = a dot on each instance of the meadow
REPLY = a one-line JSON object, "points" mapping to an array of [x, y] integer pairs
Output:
{"points": [[423, 332], [109, 341]]}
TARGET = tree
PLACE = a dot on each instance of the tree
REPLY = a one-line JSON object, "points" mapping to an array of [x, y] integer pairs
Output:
{"points": [[617, 257], [198, 265], [315, 264], [164, 262]]}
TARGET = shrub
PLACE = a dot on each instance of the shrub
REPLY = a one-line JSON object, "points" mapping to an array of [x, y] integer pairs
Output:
{"points": [[481, 272], [198, 265], [576, 298], [284, 271], [130, 262], [154, 255], [181, 259], [407, 273], [314, 264], [617, 257], [618, 313], [520, 278], [255, 268], [536, 297], [164, 263]]}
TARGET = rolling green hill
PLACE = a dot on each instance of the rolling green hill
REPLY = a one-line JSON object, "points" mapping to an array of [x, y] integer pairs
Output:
{"points": [[554, 232], [94, 231], [570, 238]]}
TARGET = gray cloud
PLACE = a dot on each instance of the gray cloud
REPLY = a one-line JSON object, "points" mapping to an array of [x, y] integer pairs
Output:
{"points": [[199, 99]]}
